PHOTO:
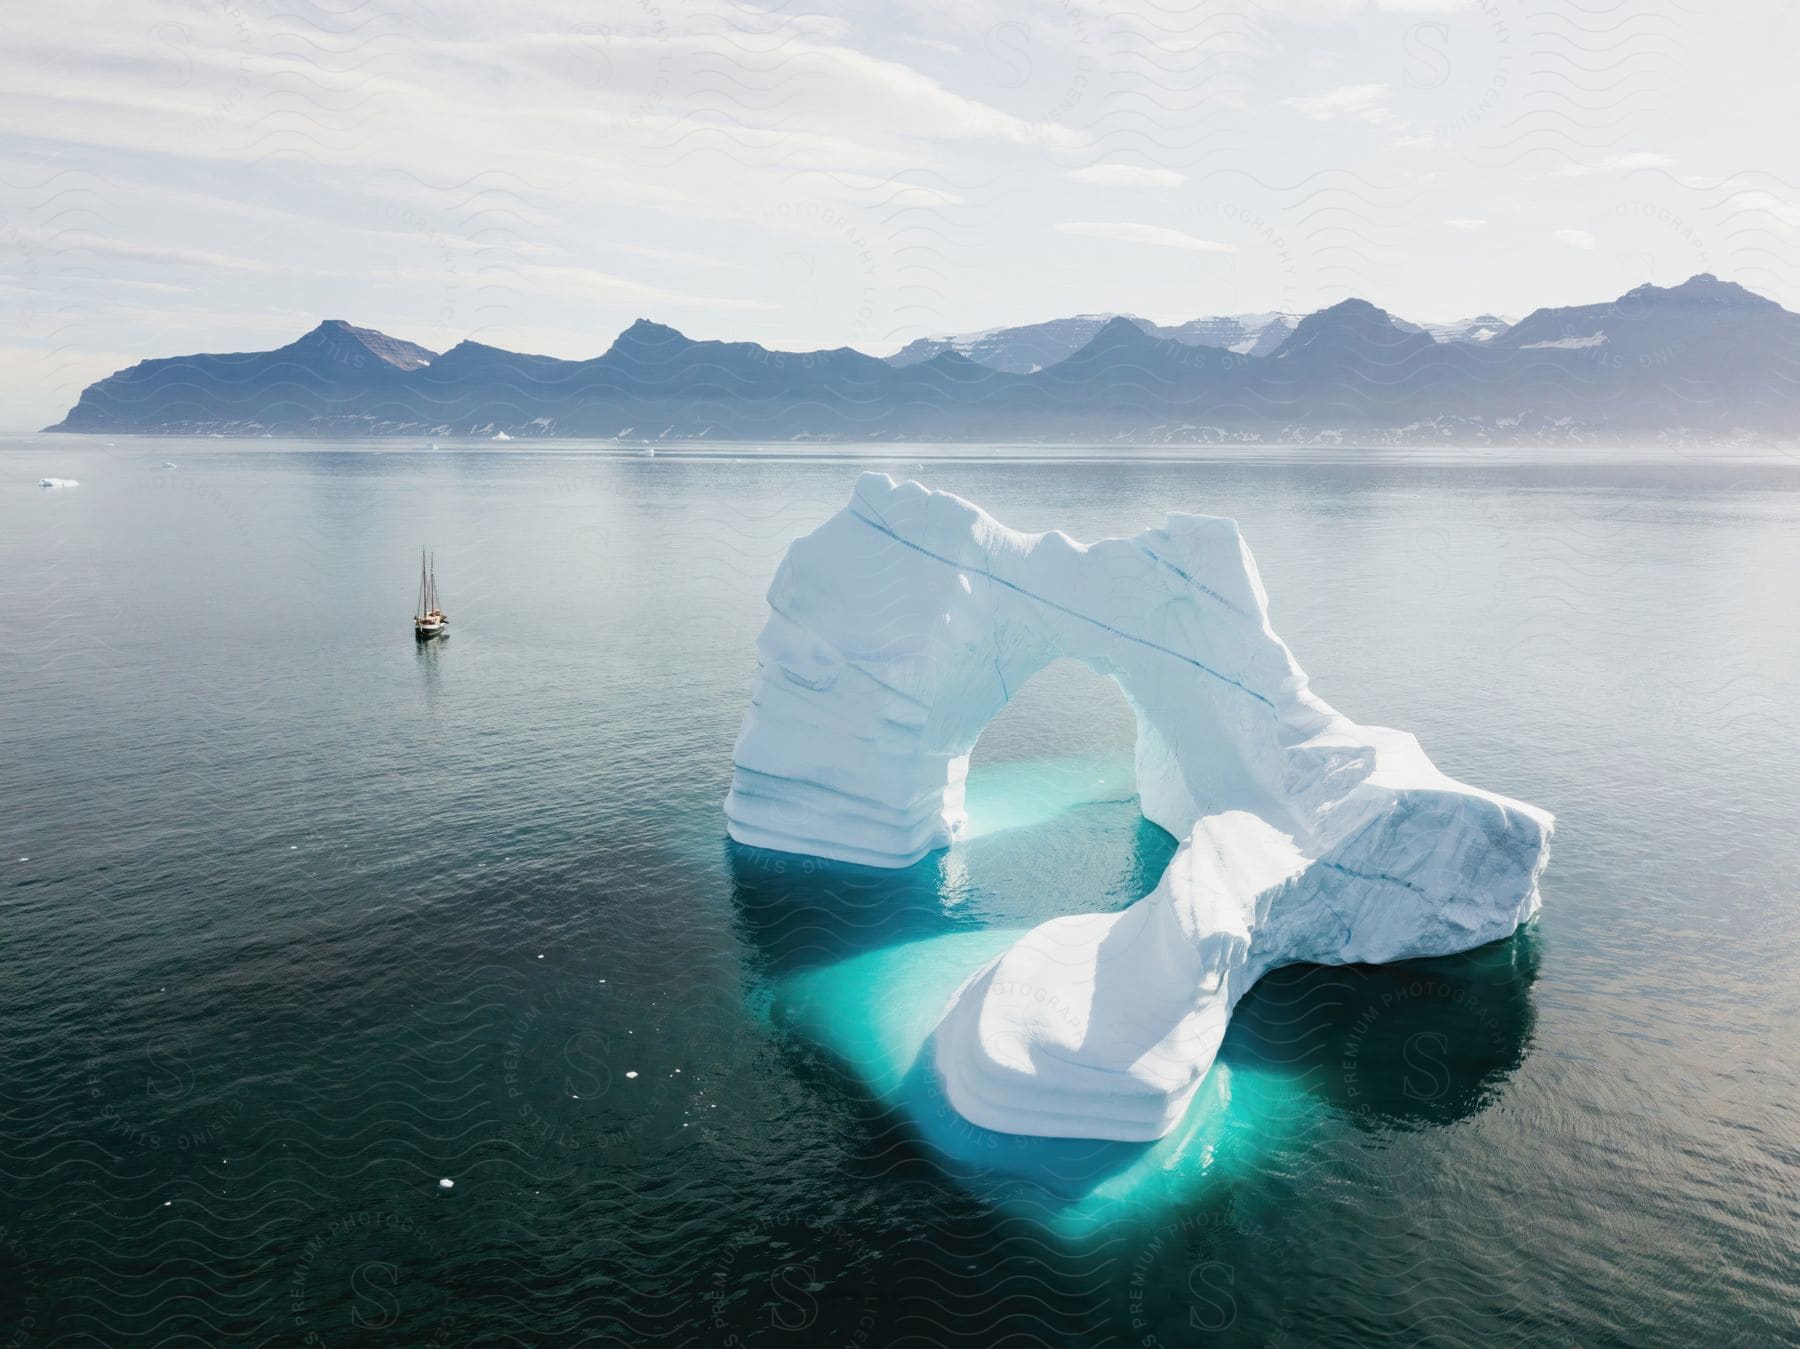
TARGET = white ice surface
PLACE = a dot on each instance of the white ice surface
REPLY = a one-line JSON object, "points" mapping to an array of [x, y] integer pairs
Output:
{"points": [[901, 625]]}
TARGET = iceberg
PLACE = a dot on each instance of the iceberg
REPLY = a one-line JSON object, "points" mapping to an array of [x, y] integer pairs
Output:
{"points": [[906, 621]]}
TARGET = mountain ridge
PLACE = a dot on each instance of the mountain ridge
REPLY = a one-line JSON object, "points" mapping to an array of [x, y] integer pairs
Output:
{"points": [[1703, 357], [1029, 347]]}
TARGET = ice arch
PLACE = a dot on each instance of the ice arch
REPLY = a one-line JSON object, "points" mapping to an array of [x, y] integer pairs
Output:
{"points": [[901, 625]]}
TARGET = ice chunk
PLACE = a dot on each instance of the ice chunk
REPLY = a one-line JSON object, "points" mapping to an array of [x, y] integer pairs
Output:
{"points": [[58, 482], [905, 622]]}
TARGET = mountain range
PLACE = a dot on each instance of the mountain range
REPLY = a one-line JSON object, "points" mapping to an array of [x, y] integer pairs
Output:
{"points": [[1706, 358], [1031, 347]]}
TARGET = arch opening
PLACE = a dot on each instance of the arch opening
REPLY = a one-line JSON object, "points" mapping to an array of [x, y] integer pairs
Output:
{"points": [[1064, 740], [1054, 824]]}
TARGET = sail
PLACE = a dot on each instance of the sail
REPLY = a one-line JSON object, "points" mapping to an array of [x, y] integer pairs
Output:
{"points": [[428, 596]]}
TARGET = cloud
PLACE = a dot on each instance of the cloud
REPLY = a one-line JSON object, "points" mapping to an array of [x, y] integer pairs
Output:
{"points": [[592, 286], [1325, 11], [1463, 222], [1575, 238], [1127, 175], [86, 245], [1126, 232], [925, 107], [1785, 213], [1361, 102], [1643, 159], [933, 44], [896, 189]]}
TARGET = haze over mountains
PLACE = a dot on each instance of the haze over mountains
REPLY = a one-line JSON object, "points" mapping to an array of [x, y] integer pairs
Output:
{"points": [[1706, 358]]}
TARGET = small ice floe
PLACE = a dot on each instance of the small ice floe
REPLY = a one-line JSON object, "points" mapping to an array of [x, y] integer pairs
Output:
{"points": [[58, 482], [446, 1184], [633, 1073], [501, 435], [170, 463]]}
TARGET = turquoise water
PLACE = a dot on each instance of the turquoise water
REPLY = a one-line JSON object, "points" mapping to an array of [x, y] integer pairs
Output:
{"points": [[298, 918]]}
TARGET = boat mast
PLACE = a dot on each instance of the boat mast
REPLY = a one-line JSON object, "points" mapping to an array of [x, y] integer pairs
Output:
{"points": [[434, 599], [422, 609]]}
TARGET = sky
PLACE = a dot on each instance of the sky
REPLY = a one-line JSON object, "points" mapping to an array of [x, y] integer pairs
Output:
{"points": [[221, 175]]}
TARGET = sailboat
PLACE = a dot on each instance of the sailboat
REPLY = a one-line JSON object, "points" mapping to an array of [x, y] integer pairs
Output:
{"points": [[430, 621]]}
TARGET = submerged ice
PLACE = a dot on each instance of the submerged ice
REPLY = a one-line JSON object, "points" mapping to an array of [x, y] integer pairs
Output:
{"points": [[903, 624]]}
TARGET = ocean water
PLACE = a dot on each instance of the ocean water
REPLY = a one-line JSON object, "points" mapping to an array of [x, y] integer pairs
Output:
{"points": [[299, 919]]}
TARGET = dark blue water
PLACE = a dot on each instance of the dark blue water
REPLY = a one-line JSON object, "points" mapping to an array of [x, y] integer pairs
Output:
{"points": [[298, 919]]}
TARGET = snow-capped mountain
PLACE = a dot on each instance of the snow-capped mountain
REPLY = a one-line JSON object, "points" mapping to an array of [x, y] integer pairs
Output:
{"points": [[1480, 328], [1018, 350], [1037, 346], [1706, 357]]}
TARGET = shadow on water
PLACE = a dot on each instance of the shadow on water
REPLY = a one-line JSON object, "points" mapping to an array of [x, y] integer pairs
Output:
{"points": [[427, 657], [1152, 849], [1418, 1044], [1413, 1044], [861, 962], [798, 912]]}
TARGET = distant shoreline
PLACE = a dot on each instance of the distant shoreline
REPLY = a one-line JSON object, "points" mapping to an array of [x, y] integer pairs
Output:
{"points": [[1639, 450]]}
